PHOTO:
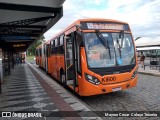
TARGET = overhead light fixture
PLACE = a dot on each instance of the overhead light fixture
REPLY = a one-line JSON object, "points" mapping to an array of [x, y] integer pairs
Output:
{"points": [[19, 45]]}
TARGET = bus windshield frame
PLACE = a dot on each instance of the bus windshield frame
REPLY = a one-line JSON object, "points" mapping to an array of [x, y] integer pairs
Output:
{"points": [[121, 49]]}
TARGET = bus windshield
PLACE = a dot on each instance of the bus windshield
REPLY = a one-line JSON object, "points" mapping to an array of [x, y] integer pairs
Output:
{"points": [[120, 50]]}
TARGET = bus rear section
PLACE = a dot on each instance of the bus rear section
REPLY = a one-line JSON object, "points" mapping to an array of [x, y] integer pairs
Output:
{"points": [[38, 55], [36, 52], [100, 57]]}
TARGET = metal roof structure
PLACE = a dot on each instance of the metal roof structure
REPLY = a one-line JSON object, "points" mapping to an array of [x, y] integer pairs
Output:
{"points": [[148, 42], [24, 21]]}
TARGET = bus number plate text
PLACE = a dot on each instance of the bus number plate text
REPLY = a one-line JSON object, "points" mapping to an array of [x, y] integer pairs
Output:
{"points": [[116, 89]]}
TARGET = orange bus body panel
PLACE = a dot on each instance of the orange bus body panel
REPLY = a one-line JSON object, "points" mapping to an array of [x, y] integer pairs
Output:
{"points": [[56, 62], [87, 89]]}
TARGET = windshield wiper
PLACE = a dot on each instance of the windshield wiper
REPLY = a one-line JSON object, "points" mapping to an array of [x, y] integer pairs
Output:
{"points": [[103, 41], [121, 36], [119, 48]]}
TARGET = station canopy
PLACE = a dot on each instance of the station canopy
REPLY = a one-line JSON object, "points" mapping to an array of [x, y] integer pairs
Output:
{"points": [[148, 42], [22, 22]]}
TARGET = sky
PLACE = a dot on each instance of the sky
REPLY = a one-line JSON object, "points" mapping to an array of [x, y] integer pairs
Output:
{"points": [[143, 16]]}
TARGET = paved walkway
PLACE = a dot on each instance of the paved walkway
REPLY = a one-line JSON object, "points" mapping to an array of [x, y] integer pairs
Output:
{"points": [[22, 92], [29, 90], [149, 70]]}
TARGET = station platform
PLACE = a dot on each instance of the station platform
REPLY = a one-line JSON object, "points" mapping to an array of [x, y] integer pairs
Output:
{"points": [[28, 90], [149, 71]]}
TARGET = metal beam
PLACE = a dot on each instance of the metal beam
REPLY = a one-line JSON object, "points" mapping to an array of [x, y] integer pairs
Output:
{"points": [[36, 19], [158, 45], [16, 38], [29, 21], [20, 40], [23, 26], [19, 31], [30, 8], [20, 34], [54, 21]]}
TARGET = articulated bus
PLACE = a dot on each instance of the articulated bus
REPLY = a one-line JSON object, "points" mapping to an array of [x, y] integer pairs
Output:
{"points": [[92, 56]]}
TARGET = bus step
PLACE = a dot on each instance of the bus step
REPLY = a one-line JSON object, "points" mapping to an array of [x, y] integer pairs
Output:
{"points": [[69, 82]]}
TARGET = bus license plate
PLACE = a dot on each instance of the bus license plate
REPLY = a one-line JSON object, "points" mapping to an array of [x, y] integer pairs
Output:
{"points": [[116, 89]]}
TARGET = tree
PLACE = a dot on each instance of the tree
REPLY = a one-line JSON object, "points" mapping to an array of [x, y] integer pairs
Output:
{"points": [[32, 47]]}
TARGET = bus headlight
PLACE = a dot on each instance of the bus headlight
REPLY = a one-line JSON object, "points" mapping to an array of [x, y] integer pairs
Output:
{"points": [[92, 79], [134, 73]]}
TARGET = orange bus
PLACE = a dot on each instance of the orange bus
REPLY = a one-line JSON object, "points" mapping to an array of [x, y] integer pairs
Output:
{"points": [[94, 56]]}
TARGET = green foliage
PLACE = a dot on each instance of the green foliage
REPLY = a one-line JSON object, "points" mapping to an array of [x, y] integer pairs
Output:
{"points": [[30, 58], [32, 47]]}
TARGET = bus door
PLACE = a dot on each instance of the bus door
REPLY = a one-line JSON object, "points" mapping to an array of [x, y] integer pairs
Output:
{"points": [[70, 61]]}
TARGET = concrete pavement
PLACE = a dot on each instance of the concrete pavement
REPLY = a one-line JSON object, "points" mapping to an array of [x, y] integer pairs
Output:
{"points": [[149, 71]]}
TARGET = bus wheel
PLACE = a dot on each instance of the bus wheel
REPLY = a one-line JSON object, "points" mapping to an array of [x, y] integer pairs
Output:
{"points": [[63, 80]]}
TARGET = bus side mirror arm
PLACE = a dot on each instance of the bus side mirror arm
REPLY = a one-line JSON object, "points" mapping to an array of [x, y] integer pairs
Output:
{"points": [[78, 27], [79, 33]]}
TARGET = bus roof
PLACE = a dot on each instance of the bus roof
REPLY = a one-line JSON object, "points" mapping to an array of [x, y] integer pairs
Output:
{"points": [[98, 20], [46, 42], [77, 22]]}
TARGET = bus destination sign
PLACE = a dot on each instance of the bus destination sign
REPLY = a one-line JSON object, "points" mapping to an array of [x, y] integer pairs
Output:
{"points": [[105, 26]]}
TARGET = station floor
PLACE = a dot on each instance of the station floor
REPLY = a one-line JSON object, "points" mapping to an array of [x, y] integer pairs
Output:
{"points": [[155, 71], [28, 90]]}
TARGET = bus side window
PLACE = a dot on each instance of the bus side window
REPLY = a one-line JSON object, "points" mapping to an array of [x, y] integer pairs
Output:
{"points": [[55, 51], [49, 50], [44, 50], [61, 46], [58, 44], [52, 46], [40, 51]]}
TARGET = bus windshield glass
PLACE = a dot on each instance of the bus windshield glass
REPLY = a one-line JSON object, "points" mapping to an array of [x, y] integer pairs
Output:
{"points": [[120, 50]]}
